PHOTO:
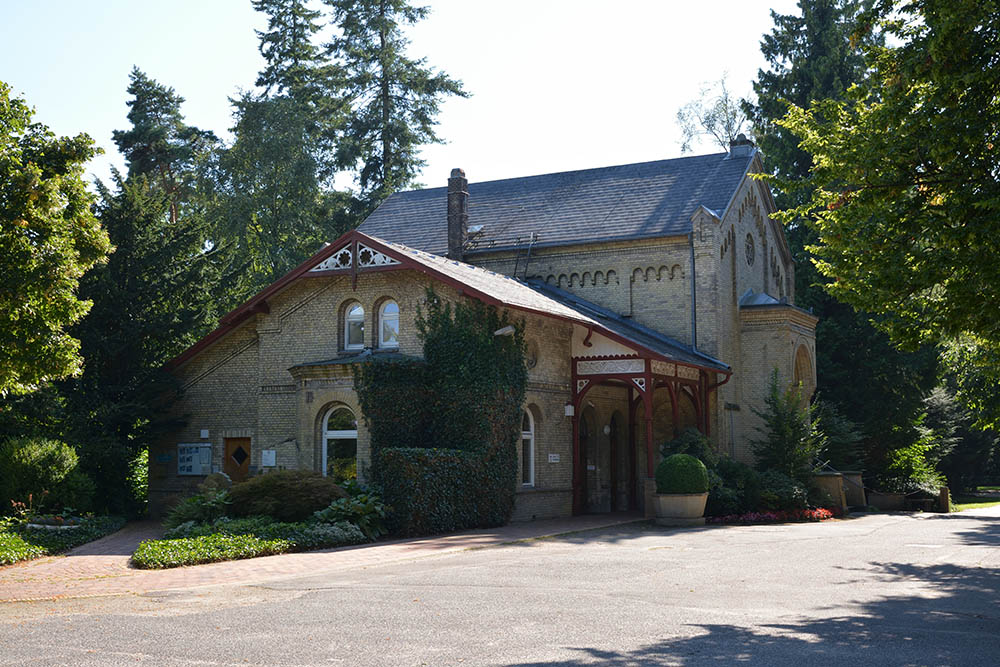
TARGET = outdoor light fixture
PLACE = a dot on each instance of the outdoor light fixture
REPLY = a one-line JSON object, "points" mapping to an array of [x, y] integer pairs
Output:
{"points": [[569, 410], [506, 331]]}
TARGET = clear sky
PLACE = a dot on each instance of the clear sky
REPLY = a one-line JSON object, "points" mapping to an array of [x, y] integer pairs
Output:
{"points": [[556, 84]]}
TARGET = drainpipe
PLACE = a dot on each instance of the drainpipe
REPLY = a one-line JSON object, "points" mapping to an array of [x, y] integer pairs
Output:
{"points": [[694, 302]]}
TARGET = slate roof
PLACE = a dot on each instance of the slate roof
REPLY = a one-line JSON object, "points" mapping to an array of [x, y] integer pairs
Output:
{"points": [[643, 200], [536, 296]]}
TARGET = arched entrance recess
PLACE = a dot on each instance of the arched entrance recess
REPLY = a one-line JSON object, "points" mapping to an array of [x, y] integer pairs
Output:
{"points": [[339, 444]]}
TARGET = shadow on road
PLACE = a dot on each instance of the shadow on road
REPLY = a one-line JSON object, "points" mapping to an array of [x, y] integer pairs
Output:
{"points": [[954, 619]]}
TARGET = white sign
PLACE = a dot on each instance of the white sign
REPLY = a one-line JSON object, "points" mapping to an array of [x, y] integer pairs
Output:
{"points": [[268, 459], [553, 458]]}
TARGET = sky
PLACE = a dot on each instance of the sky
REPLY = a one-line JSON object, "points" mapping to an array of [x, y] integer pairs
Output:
{"points": [[555, 85]]}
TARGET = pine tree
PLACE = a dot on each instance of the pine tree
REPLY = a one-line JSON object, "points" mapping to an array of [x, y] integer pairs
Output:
{"points": [[393, 99]]}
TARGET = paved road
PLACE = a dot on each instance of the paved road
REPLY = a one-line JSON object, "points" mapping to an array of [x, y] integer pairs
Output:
{"points": [[879, 590]]}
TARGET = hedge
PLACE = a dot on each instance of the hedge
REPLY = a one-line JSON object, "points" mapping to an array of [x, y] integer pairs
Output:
{"points": [[288, 495], [440, 490]]}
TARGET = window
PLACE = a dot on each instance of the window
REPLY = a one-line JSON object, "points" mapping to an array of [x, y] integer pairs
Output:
{"points": [[354, 327], [527, 449], [340, 444], [388, 327]]}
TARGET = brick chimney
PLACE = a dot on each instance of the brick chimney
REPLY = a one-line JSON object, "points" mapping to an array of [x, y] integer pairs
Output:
{"points": [[741, 146], [458, 213]]}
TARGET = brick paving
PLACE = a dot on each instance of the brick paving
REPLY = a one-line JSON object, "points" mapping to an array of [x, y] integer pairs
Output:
{"points": [[102, 567]]}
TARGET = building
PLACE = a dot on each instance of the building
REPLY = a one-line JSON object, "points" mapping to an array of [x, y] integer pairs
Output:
{"points": [[655, 296]]}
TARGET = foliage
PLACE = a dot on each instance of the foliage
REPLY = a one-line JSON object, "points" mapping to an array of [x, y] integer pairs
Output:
{"points": [[19, 543], [972, 375], [393, 100], [734, 488], [192, 543], [842, 449], [716, 114], [781, 492], [789, 439], [904, 188], [36, 466], [694, 442], [461, 406], [200, 508], [681, 473], [909, 471], [48, 239], [782, 516], [364, 510], [967, 451], [288, 495]]}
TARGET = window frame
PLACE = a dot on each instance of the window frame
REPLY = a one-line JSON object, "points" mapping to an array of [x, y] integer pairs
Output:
{"points": [[327, 434], [528, 435], [348, 320], [389, 345]]}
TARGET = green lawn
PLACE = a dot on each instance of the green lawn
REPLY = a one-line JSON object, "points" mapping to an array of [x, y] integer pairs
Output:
{"points": [[959, 503]]}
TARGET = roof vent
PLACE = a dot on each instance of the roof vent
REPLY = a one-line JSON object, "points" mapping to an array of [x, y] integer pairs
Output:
{"points": [[741, 146]]}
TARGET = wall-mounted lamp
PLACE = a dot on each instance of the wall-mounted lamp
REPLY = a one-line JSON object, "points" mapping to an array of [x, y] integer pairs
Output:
{"points": [[569, 410], [607, 429]]}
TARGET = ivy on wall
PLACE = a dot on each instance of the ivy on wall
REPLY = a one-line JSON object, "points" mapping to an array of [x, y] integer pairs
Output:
{"points": [[444, 430]]}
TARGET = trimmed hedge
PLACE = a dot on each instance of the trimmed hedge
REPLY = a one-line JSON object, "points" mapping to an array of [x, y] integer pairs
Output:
{"points": [[289, 495], [22, 543], [194, 544], [440, 490], [681, 473]]}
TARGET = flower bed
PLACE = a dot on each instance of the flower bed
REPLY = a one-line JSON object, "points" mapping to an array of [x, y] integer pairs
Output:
{"points": [[21, 542], [786, 516]]}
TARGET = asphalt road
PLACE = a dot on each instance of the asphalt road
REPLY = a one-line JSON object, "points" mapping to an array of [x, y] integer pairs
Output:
{"points": [[878, 590]]}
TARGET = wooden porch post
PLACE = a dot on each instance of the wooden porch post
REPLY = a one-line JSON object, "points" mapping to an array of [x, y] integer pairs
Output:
{"points": [[577, 472], [633, 498]]}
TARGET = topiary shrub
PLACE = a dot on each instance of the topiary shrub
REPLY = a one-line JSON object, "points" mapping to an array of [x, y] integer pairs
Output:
{"points": [[289, 495], [43, 468], [681, 473]]}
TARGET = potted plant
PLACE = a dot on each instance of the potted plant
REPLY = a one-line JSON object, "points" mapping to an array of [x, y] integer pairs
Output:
{"points": [[681, 491]]}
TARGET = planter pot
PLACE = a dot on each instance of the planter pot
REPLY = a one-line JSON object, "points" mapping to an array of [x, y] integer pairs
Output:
{"points": [[680, 509], [887, 502]]}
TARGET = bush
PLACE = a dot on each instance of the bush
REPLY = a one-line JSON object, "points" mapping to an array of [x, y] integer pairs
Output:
{"points": [[200, 508], [438, 490], [234, 539], [693, 442], [681, 473], [19, 543], [290, 495], [781, 493], [908, 471], [364, 510], [42, 468]]}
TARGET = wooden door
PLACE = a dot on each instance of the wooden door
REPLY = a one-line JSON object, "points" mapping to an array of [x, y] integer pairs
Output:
{"points": [[236, 460]]}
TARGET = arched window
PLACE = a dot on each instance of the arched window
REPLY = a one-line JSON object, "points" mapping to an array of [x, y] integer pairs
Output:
{"points": [[527, 449], [388, 325], [340, 444], [354, 327]]}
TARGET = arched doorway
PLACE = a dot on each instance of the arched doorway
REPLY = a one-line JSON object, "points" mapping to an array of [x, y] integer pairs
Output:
{"points": [[340, 444]]}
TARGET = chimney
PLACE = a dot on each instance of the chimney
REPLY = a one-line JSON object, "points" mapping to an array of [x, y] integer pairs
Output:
{"points": [[458, 213], [741, 146]]}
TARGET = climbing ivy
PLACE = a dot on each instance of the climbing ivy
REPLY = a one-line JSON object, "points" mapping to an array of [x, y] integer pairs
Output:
{"points": [[464, 402]]}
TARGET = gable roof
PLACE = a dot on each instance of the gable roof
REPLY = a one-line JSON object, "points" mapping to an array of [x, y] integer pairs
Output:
{"points": [[632, 201], [493, 288]]}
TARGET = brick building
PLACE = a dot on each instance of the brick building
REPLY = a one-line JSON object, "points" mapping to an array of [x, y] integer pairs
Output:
{"points": [[655, 296]]}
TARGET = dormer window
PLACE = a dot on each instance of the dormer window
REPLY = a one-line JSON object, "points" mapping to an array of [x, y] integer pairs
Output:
{"points": [[354, 327], [388, 326]]}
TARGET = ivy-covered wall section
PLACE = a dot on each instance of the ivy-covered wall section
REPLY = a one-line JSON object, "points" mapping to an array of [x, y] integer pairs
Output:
{"points": [[444, 430]]}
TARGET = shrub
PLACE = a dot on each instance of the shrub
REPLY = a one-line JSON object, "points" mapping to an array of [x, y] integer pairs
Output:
{"points": [[693, 442], [781, 492], [364, 510], [743, 480], [42, 467], [437, 490], [289, 495], [19, 543], [789, 439], [908, 471], [681, 473], [200, 508], [156, 554]]}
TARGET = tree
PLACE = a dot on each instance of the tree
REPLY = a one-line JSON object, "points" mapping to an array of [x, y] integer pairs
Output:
{"points": [[393, 99], [48, 239], [716, 114], [790, 439], [905, 184]]}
